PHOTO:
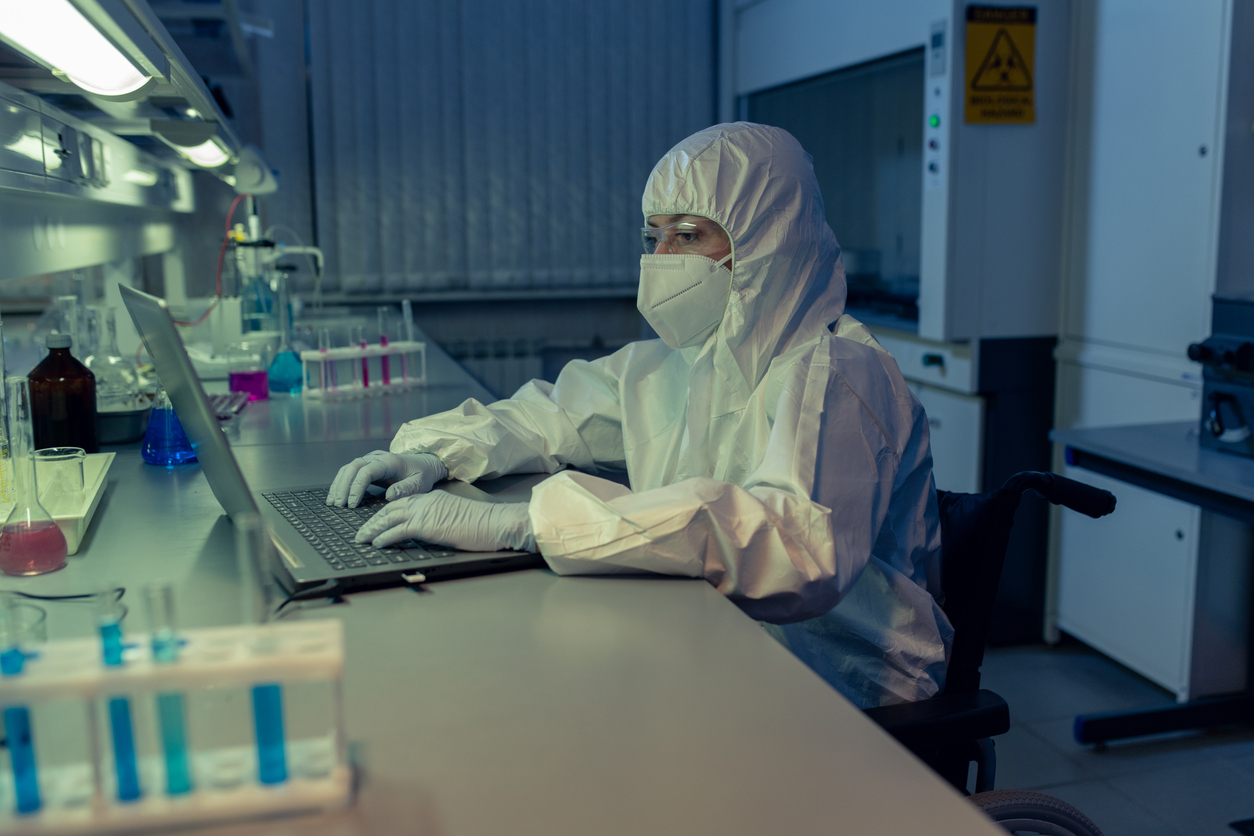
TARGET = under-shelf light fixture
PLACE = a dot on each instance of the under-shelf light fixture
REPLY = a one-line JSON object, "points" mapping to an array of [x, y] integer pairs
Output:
{"points": [[208, 154], [56, 34]]}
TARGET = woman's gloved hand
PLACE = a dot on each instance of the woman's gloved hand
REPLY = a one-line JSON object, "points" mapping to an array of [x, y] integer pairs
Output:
{"points": [[451, 521], [410, 473]]}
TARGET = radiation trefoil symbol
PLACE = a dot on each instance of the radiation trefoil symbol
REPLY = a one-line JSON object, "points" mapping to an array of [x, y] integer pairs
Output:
{"points": [[1003, 68]]}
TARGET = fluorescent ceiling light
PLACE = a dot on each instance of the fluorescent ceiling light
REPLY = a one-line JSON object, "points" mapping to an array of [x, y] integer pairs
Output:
{"points": [[57, 34], [209, 154], [141, 177]]}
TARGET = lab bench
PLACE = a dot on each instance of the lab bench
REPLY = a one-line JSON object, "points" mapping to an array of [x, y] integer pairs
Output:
{"points": [[522, 702]]}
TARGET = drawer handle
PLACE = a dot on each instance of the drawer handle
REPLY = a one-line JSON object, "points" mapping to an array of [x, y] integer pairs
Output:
{"points": [[934, 360]]}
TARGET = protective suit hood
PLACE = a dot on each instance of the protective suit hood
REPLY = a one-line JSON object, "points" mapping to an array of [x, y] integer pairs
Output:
{"points": [[788, 282]]}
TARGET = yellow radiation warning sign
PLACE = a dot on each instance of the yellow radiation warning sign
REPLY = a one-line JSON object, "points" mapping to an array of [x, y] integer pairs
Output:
{"points": [[1000, 78]]}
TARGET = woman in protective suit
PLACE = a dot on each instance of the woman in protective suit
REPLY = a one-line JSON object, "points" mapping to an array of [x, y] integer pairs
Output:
{"points": [[771, 444]]}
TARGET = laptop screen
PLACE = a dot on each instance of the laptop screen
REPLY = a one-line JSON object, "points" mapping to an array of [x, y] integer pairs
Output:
{"points": [[199, 421]]}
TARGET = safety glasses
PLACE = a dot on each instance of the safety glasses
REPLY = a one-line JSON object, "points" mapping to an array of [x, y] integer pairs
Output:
{"points": [[681, 237]]}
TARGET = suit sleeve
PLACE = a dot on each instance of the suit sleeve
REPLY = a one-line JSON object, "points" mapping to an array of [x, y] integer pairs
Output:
{"points": [[788, 543], [576, 421]]}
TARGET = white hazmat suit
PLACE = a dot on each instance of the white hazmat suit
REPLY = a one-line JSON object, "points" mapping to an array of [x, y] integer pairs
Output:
{"points": [[783, 459]]}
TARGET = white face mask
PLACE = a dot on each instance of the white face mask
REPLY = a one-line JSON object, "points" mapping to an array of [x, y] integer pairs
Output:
{"points": [[683, 297]]}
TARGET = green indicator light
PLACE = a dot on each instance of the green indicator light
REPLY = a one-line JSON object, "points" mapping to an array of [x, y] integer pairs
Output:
{"points": [[934, 120]]}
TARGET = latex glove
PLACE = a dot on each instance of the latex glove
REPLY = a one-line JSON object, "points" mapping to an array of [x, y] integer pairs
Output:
{"points": [[451, 521], [410, 473]]}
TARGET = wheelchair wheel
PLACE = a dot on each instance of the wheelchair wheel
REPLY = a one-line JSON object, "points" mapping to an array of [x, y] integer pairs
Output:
{"points": [[1019, 811]]}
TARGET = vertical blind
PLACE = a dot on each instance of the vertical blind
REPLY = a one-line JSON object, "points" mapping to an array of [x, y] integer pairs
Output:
{"points": [[497, 144]]}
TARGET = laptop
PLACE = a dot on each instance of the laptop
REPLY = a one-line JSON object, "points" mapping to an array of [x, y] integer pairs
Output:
{"points": [[315, 541]]}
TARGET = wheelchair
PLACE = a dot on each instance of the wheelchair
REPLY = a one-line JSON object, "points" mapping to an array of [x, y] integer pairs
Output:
{"points": [[955, 728]]}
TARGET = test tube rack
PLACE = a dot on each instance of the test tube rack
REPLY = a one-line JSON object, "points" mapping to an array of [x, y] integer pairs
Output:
{"points": [[77, 797], [405, 361]]}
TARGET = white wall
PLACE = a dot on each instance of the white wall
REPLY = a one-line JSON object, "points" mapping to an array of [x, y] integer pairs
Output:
{"points": [[822, 36]]}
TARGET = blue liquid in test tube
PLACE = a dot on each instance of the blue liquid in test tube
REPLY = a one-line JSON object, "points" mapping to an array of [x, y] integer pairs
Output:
{"points": [[268, 720], [22, 755], [170, 705], [111, 643], [178, 776], [124, 748]]}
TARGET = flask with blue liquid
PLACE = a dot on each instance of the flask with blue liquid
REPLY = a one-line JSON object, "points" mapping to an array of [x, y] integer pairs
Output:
{"points": [[165, 443], [287, 373]]}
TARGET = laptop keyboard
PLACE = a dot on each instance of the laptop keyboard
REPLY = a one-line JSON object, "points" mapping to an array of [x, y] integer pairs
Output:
{"points": [[330, 530]]}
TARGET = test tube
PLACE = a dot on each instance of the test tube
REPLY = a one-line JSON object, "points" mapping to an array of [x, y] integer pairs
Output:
{"points": [[365, 361], [17, 727], [407, 315], [383, 343], [326, 368], [170, 707], [109, 615], [253, 554]]}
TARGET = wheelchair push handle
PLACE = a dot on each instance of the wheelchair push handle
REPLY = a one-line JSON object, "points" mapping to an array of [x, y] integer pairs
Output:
{"points": [[1060, 490]]}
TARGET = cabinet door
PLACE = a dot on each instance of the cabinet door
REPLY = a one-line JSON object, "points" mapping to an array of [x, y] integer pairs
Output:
{"points": [[1146, 173], [1126, 581], [956, 423]]}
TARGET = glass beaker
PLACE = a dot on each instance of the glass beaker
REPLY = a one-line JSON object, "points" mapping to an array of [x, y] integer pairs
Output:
{"points": [[30, 541], [165, 442], [59, 471], [247, 370]]}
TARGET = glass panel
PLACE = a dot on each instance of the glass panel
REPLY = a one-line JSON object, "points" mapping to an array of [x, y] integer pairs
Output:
{"points": [[863, 126]]}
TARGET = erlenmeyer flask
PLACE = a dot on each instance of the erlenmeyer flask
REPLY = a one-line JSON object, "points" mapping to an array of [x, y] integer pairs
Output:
{"points": [[116, 379], [30, 541], [165, 442], [286, 372]]}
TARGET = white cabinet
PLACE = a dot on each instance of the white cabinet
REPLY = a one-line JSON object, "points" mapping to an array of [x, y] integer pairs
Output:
{"points": [[1149, 107], [956, 424]]}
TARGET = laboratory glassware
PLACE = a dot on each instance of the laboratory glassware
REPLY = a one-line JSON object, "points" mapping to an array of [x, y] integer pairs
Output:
{"points": [[360, 338], [383, 342], [8, 493], [286, 373], [253, 552], [31, 543], [171, 710], [165, 442], [63, 399], [117, 382], [109, 614], [247, 365], [326, 367], [59, 471], [21, 626]]}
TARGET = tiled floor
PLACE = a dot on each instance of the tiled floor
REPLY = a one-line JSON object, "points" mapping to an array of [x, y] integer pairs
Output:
{"points": [[1181, 785]]}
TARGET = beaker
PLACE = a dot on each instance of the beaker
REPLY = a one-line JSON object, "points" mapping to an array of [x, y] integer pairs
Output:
{"points": [[247, 365], [60, 474], [30, 541]]}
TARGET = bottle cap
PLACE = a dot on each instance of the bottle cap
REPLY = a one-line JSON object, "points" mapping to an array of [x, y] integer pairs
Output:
{"points": [[58, 341]]}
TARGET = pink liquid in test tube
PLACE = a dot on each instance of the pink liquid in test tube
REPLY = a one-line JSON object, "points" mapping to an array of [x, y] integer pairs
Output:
{"points": [[365, 369], [31, 548]]}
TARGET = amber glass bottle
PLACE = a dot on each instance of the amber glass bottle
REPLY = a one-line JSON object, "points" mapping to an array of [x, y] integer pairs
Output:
{"points": [[63, 399]]}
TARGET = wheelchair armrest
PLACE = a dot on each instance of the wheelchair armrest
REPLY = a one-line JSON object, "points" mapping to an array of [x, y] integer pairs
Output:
{"points": [[949, 718]]}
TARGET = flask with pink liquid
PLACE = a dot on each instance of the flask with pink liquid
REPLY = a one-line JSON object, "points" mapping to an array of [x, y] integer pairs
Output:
{"points": [[30, 541]]}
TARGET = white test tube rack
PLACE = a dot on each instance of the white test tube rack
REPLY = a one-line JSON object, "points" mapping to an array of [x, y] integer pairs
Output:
{"points": [[77, 798], [407, 369]]}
